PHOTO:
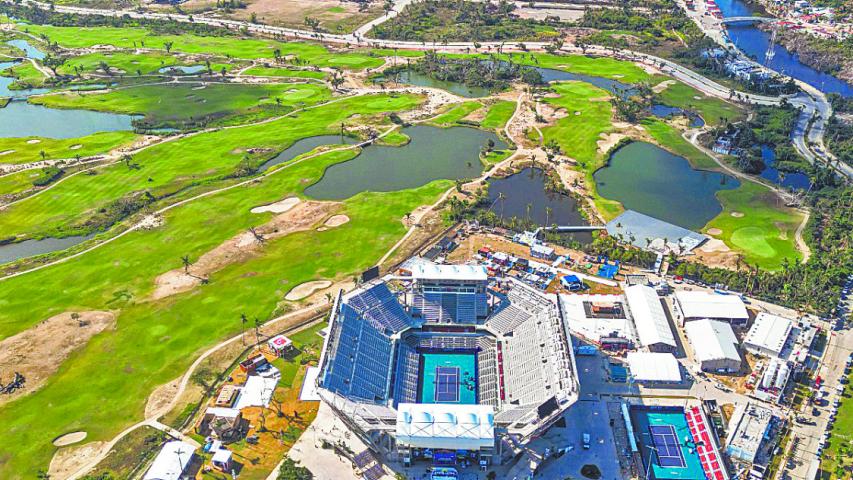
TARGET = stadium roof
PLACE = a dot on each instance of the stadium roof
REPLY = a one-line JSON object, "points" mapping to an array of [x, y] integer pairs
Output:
{"points": [[171, 462], [710, 305], [453, 427], [712, 340], [654, 367], [769, 332], [449, 272], [649, 317]]}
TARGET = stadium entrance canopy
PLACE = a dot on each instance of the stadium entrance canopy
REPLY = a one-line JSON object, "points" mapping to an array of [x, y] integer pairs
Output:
{"points": [[441, 426]]}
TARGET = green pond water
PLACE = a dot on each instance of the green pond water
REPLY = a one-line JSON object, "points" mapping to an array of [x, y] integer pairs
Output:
{"points": [[410, 77], [432, 154], [650, 180]]}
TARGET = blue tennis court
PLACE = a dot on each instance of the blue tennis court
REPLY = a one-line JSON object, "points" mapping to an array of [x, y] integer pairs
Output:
{"points": [[448, 378], [666, 445]]}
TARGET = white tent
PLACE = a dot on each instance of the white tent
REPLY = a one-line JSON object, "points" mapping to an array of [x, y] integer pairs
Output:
{"points": [[171, 462], [649, 318], [714, 345], [654, 367], [768, 334], [697, 305], [257, 392], [453, 427]]}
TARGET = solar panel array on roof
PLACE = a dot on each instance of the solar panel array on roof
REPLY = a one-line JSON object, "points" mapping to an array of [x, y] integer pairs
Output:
{"points": [[361, 347]]}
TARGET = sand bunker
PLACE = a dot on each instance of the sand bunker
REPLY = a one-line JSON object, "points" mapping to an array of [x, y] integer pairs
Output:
{"points": [[301, 291], [241, 247], [33, 141], [714, 231], [277, 207], [39, 351], [336, 221], [70, 459], [608, 141], [737, 214], [161, 398], [6, 152], [76, 147], [69, 438], [663, 85]]}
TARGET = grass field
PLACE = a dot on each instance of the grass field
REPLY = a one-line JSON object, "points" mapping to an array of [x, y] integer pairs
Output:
{"points": [[586, 119], [188, 101], [29, 149], [236, 47], [18, 182], [155, 341], [670, 138], [130, 63], [284, 72], [713, 110], [765, 232], [596, 66], [498, 115], [456, 113]]}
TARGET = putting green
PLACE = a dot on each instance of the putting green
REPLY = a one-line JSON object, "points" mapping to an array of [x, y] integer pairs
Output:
{"points": [[754, 239]]}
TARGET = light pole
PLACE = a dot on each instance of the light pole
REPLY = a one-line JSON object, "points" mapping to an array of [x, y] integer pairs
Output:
{"points": [[649, 464]]}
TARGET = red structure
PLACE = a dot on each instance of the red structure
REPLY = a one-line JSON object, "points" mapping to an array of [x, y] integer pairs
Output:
{"points": [[708, 455]]}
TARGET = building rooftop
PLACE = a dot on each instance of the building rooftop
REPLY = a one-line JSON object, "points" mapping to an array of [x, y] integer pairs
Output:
{"points": [[769, 332], [171, 462], [449, 272], [581, 321], [748, 428], [649, 316], [454, 427], [654, 367], [712, 340], [695, 304]]}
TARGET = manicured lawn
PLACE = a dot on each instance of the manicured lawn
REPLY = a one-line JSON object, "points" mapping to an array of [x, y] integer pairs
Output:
{"points": [[18, 181], [765, 231], [155, 341], [236, 47], [284, 72], [499, 113], [457, 113], [182, 102], [173, 166], [129, 63], [585, 120], [670, 138], [599, 67], [713, 110], [29, 149]]}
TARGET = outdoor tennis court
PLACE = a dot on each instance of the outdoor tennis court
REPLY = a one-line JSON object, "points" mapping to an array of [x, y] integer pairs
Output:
{"points": [[448, 378], [667, 447]]}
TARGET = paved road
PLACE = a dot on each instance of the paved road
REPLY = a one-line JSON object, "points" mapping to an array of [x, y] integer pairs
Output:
{"points": [[815, 101]]}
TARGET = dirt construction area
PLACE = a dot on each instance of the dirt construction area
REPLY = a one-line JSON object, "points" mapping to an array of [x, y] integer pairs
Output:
{"points": [[39, 351]]}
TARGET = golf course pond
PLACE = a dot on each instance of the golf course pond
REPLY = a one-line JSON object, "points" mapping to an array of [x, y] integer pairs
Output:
{"points": [[30, 248], [512, 196], [432, 154], [653, 181], [795, 180], [305, 145], [411, 77]]}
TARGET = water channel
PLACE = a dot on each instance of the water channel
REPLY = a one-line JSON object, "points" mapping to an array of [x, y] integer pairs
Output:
{"points": [[755, 43], [650, 180], [306, 145], [527, 187], [795, 180], [432, 154]]}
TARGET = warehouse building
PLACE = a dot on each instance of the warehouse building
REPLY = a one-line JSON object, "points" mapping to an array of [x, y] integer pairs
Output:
{"points": [[650, 319], [769, 335], [692, 305], [714, 345], [654, 368]]}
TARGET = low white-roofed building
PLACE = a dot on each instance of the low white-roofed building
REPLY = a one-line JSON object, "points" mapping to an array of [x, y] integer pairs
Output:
{"points": [[444, 426], [695, 305], [653, 367], [579, 312], [257, 392], [714, 345], [474, 273], [768, 335], [749, 427], [653, 328], [171, 462]]}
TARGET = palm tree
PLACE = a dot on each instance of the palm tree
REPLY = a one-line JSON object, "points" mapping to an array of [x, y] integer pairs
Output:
{"points": [[548, 211], [243, 321], [186, 261], [501, 198], [257, 331]]}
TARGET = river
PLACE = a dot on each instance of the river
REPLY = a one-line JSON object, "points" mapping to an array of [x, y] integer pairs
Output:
{"points": [[755, 43]]}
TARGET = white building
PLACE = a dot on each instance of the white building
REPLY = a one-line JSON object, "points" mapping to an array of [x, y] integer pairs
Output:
{"points": [[768, 335], [714, 345], [695, 305], [443, 426], [171, 462], [750, 426], [652, 367], [650, 319], [586, 319]]}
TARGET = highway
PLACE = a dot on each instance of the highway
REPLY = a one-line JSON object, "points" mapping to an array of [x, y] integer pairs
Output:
{"points": [[816, 110]]}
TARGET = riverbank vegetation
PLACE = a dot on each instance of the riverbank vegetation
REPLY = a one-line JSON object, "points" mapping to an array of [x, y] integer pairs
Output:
{"points": [[440, 21]]}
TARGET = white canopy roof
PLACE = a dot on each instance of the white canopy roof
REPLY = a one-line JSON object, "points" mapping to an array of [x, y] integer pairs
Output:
{"points": [[649, 317], [454, 427], [450, 272], [696, 304], [171, 461], [712, 340], [769, 332], [654, 367], [257, 392]]}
